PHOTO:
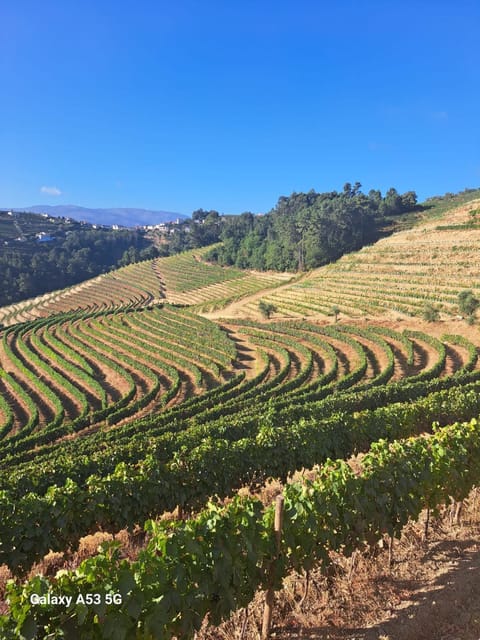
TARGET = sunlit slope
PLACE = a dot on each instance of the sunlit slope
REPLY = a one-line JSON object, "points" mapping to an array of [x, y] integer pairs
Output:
{"points": [[270, 398], [429, 264], [188, 280], [182, 279], [136, 285], [68, 372]]}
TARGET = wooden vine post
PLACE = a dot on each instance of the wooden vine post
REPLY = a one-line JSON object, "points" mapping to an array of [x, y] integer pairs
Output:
{"points": [[269, 595]]}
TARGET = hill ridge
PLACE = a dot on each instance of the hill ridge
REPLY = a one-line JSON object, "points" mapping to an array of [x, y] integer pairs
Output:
{"points": [[123, 216]]}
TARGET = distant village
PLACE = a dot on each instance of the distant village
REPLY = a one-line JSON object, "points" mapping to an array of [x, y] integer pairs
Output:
{"points": [[166, 228], [24, 228], [163, 228]]}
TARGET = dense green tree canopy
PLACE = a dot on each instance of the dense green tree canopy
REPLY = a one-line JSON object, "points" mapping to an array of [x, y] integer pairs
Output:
{"points": [[306, 230]]}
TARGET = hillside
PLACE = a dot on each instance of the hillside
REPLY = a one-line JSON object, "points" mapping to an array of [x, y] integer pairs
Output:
{"points": [[431, 262], [126, 217], [40, 253], [183, 279], [142, 393], [395, 277], [25, 227]]}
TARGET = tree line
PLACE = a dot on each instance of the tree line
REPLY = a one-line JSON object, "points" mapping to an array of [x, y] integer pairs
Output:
{"points": [[307, 230]]}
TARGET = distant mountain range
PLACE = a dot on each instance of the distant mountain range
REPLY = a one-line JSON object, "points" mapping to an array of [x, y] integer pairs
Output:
{"points": [[123, 217]]}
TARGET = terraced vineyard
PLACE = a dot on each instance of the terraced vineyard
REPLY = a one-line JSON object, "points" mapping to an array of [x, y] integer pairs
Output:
{"points": [[399, 274], [126, 407], [182, 279], [190, 281], [72, 371]]}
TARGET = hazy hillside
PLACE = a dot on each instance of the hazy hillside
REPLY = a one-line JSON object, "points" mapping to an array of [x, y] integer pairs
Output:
{"points": [[126, 217], [40, 253]]}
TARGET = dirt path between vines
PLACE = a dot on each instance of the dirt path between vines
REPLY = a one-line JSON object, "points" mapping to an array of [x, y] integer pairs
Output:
{"points": [[237, 309]]}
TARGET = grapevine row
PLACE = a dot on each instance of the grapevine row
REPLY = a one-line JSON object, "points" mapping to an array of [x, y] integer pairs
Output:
{"points": [[214, 563]]}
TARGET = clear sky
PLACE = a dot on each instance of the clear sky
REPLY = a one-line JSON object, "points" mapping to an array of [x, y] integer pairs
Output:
{"points": [[228, 104]]}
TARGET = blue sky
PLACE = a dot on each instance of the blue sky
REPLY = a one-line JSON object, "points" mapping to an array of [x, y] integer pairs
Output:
{"points": [[230, 104]]}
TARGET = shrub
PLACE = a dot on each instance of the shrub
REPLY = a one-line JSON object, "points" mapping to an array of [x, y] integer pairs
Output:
{"points": [[467, 303], [431, 313], [266, 308]]}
